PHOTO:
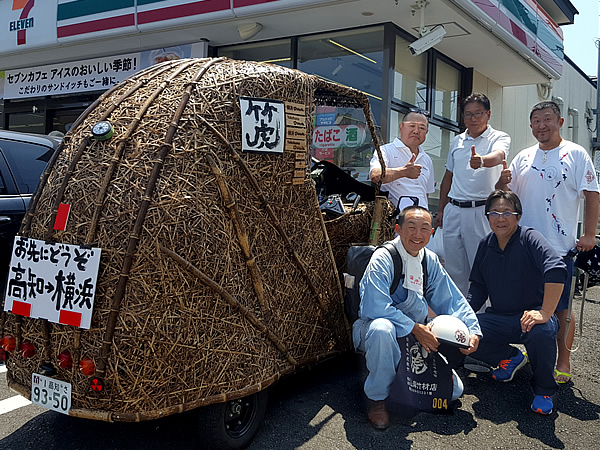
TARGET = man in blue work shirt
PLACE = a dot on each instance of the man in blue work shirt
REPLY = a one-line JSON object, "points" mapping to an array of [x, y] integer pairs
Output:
{"points": [[383, 317], [523, 276]]}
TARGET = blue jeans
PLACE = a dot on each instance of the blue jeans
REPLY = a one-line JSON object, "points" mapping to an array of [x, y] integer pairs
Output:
{"points": [[377, 338], [563, 303], [501, 330]]}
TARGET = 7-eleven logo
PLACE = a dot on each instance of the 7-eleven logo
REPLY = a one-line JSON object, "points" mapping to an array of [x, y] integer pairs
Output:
{"points": [[24, 22]]}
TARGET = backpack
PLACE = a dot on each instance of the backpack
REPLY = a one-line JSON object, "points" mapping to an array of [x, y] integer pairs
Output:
{"points": [[357, 260]]}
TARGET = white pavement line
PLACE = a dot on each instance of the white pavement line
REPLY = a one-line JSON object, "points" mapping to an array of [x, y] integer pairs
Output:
{"points": [[13, 403]]}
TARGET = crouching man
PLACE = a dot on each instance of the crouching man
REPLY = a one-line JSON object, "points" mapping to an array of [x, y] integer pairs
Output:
{"points": [[524, 278], [383, 317]]}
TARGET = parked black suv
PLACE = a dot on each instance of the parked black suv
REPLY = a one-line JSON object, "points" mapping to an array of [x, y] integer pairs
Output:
{"points": [[23, 158]]}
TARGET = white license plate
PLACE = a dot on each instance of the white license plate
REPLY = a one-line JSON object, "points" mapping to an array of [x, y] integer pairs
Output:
{"points": [[50, 393]]}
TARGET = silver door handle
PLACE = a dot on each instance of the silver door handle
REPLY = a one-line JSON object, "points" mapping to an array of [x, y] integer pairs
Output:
{"points": [[4, 219]]}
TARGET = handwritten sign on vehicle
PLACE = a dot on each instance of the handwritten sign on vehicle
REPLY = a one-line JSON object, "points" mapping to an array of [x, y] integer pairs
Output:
{"points": [[52, 281], [263, 125]]}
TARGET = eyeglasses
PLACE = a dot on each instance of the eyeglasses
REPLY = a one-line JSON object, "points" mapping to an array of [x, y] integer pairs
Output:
{"points": [[496, 214], [476, 115], [419, 111]]}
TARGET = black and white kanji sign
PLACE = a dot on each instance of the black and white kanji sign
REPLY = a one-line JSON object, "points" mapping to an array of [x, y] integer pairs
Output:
{"points": [[52, 281], [263, 125]]}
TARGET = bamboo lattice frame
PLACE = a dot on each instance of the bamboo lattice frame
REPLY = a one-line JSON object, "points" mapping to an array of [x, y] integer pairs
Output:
{"points": [[217, 275]]}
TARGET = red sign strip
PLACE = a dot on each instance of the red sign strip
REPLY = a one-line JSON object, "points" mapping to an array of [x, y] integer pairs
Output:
{"points": [[62, 216], [21, 308], [67, 317]]}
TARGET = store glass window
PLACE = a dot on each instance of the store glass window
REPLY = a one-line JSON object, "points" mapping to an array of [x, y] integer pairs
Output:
{"points": [[30, 122], [341, 136], [62, 120], [276, 52], [352, 58], [447, 88], [436, 145], [410, 75]]}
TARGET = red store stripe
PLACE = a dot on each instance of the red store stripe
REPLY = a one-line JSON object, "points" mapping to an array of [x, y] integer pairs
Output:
{"points": [[189, 9], [96, 25]]}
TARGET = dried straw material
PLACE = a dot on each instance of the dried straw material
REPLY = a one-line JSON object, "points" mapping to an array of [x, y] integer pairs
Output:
{"points": [[354, 228], [217, 275]]}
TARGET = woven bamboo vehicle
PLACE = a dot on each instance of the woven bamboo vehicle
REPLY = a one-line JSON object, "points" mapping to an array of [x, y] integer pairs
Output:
{"points": [[217, 274]]}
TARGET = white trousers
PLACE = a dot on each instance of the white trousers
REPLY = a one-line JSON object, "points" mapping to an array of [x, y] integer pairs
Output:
{"points": [[463, 229]]}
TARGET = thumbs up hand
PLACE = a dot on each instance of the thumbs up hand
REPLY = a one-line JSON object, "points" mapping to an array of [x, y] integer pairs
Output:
{"points": [[476, 161], [412, 170], [505, 175]]}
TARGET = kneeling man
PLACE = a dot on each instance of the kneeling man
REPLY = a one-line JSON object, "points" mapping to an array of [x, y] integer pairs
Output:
{"points": [[523, 276], [384, 318]]}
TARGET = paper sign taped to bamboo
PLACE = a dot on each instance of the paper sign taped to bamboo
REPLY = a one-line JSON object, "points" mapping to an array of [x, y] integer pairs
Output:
{"points": [[263, 125], [52, 281]]}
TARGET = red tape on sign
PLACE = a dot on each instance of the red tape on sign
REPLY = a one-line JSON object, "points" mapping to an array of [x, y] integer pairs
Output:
{"points": [[69, 318], [62, 216], [21, 308]]}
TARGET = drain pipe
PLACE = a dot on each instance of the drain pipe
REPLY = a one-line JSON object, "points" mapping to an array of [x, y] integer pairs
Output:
{"points": [[574, 113], [561, 104]]}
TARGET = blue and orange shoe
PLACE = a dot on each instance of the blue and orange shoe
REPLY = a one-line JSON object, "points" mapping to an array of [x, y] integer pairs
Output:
{"points": [[542, 404], [508, 367]]}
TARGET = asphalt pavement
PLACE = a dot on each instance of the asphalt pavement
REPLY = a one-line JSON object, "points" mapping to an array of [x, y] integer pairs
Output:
{"points": [[325, 408]]}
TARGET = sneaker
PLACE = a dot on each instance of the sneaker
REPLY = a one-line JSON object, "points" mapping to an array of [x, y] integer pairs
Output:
{"points": [[542, 404], [508, 367]]}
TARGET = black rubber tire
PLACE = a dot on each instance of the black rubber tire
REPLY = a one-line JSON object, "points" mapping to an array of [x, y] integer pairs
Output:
{"points": [[232, 425]]}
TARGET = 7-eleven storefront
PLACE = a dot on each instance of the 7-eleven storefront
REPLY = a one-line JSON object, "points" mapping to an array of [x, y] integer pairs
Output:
{"points": [[57, 56]]}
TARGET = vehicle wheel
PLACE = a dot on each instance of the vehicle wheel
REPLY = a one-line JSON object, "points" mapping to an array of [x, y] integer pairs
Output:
{"points": [[233, 424]]}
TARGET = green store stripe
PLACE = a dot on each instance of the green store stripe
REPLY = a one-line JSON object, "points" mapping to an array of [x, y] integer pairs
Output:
{"points": [[81, 8]]}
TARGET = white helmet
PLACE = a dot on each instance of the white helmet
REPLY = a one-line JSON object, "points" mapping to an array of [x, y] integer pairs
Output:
{"points": [[451, 330]]}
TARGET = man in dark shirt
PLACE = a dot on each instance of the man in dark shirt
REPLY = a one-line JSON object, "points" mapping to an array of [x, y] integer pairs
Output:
{"points": [[523, 276]]}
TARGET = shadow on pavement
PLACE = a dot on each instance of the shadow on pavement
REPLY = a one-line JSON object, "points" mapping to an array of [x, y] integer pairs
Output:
{"points": [[318, 404], [52, 430], [571, 401], [507, 402], [325, 407]]}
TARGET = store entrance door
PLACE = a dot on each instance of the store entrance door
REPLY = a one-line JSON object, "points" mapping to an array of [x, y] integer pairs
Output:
{"points": [[62, 119]]}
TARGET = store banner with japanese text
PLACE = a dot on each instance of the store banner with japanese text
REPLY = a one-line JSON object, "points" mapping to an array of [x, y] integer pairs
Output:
{"points": [[80, 76], [334, 136], [52, 281]]}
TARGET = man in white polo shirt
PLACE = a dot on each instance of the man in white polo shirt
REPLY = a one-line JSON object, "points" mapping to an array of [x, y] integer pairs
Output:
{"points": [[408, 169], [473, 167]]}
